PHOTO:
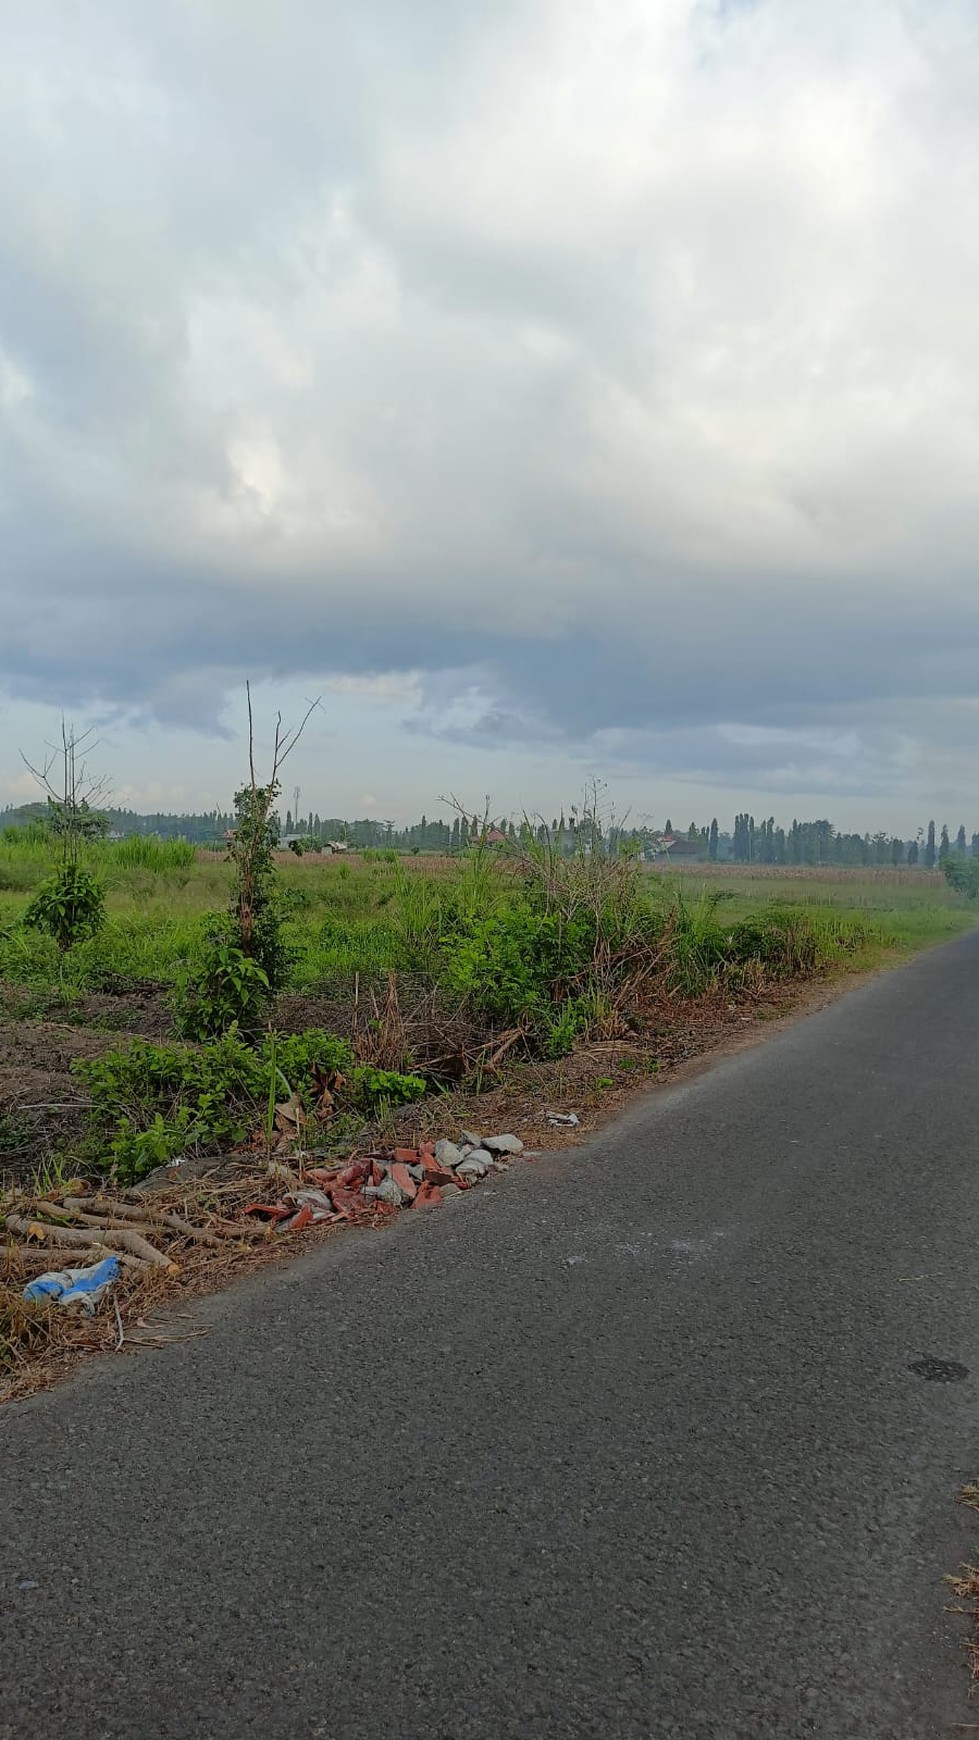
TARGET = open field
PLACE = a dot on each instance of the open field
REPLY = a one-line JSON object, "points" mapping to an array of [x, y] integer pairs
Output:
{"points": [[902, 909], [347, 916]]}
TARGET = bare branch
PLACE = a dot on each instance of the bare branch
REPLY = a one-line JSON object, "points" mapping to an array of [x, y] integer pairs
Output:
{"points": [[251, 734], [286, 742]]}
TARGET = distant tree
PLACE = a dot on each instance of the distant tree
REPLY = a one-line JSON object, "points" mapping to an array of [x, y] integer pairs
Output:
{"points": [[960, 840], [975, 845], [897, 852], [914, 853], [712, 843], [944, 847], [669, 826], [930, 848]]}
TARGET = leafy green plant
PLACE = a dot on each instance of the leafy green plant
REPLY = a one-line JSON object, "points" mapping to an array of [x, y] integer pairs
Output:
{"points": [[151, 1101], [136, 1152], [223, 989], [517, 964], [377, 1088], [962, 874], [15, 1134], [69, 906]]}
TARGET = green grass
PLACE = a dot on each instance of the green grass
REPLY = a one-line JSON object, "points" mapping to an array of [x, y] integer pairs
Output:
{"points": [[362, 917], [899, 911]]}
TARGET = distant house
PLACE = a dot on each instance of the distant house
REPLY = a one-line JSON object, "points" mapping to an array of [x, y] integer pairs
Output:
{"points": [[336, 846], [488, 837], [670, 847]]}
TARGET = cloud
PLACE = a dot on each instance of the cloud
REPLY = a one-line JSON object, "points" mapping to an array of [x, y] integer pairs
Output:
{"points": [[608, 373]]}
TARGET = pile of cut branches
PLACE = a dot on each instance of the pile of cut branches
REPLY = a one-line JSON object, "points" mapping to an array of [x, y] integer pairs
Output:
{"points": [[79, 1226]]}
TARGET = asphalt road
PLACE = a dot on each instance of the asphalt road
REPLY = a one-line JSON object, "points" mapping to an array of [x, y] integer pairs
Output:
{"points": [[625, 1443]]}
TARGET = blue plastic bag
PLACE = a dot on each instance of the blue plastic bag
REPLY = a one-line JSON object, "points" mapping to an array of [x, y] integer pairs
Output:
{"points": [[84, 1287]]}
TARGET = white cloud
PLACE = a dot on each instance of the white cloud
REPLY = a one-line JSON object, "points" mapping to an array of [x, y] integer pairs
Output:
{"points": [[608, 373]]}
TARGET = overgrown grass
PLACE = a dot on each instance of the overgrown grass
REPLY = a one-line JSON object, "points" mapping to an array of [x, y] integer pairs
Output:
{"points": [[444, 917], [525, 953], [899, 910]]}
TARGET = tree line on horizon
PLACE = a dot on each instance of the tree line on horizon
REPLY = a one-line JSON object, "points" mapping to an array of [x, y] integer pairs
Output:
{"points": [[820, 843], [750, 841]]}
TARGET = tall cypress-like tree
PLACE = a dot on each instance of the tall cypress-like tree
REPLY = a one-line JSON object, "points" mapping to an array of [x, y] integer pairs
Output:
{"points": [[960, 840], [944, 847], [930, 848], [712, 842]]}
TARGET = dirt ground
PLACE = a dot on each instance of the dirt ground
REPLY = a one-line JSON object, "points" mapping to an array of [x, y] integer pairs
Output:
{"points": [[42, 1105]]}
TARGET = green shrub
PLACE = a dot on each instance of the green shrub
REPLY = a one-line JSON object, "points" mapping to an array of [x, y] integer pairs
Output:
{"points": [[375, 1088], [135, 1152], [222, 989], [517, 964], [962, 874], [218, 1085], [297, 1055], [785, 943], [152, 1101], [69, 906]]}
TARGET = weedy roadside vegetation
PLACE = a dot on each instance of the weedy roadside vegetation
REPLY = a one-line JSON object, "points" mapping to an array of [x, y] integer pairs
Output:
{"points": [[436, 973], [283, 1010]]}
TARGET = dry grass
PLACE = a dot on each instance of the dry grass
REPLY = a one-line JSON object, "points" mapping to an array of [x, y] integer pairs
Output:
{"points": [[965, 1587], [43, 1342]]}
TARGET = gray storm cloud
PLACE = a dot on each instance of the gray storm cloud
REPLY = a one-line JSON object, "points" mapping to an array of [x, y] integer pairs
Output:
{"points": [[625, 356]]}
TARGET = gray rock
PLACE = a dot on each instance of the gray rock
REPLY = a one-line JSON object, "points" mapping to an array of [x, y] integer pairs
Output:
{"points": [[449, 1190], [475, 1165], [447, 1154], [417, 1173], [179, 1171], [471, 1141], [391, 1192], [503, 1144]]}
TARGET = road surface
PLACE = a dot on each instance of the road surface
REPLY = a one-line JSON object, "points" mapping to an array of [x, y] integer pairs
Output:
{"points": [[624, 1443]]}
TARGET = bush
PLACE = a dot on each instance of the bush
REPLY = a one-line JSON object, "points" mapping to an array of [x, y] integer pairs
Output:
{"points": [[152, 1101], [69, 906], [518, 964], [223, 989], [135, 1152], [962, 874], [786, 944]]}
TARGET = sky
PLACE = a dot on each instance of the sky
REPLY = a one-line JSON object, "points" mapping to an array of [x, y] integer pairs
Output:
{"points": [[558, 391]]}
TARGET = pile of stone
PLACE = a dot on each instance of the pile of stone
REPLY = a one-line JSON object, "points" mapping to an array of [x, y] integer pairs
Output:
{"points": [[446, 1167], [391, 1179]]}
